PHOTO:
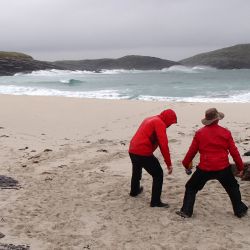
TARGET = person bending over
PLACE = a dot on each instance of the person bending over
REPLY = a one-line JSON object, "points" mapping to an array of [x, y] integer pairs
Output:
{"points": [[151, 134]]}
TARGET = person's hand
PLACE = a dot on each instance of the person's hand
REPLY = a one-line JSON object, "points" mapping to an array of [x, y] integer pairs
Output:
{"points": [[190, 165], [188, 171], [170, 169], [240, 174]]}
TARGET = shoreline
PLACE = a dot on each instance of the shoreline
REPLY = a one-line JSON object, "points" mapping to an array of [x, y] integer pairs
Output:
{"points": [[70, 159], [200, 100]]}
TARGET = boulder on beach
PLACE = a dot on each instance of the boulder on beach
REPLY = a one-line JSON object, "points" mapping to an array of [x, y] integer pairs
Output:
{"points": [[246, 171]]}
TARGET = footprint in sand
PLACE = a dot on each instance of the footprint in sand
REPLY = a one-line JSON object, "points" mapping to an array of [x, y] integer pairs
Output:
{"points": [[14, 247]]}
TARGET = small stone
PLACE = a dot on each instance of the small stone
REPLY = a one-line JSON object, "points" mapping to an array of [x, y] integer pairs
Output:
{"points": [[34, 157], [47, 150], [23, 148], [6, 136], [62, 166], [247, 153], [102, 150]]}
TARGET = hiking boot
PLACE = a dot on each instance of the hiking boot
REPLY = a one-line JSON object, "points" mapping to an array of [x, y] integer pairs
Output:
{"points": [[136, 193], [159, 204], [242, 214], [182, 214]]}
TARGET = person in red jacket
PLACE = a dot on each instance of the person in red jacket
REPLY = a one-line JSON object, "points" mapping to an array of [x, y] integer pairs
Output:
{"points": [[214, 143], [151, 134]]}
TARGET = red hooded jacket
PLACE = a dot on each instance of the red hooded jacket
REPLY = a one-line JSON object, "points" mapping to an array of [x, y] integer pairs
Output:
{"points": [[151, 134], [214, 143]]}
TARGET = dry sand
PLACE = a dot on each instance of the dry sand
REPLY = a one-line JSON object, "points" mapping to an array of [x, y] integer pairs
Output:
{"points": [[76, 196]]}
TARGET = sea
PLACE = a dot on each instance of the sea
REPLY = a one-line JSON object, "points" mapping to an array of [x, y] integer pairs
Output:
{"points": [[173, 84]]}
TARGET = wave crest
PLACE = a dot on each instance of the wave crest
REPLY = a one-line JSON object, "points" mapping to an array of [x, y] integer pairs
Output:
{"points": [[186, 69], [71, 81]]}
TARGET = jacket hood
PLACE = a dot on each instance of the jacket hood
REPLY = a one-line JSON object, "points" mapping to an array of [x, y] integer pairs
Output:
{"points": [[168, 116]]}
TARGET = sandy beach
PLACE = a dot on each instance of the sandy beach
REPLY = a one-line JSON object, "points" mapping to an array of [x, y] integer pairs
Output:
{"points": [[69, 157]]}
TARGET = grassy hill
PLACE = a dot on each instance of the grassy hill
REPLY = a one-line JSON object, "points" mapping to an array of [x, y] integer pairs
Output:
{"points": [[14, 55], [235, 57], [14, 62], [126, 62]]}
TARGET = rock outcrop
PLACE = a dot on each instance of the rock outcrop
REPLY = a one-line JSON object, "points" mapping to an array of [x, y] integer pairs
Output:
{"points": [[13, 62], [235, 57]]}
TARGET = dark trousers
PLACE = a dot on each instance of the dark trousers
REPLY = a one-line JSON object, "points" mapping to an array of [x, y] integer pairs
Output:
{"points": [[198, 181], [153, 167]]}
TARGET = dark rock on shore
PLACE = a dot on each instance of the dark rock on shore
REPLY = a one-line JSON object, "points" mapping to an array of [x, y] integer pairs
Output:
{"points": [[246, 171], [126, 62], [247, 153], [235, 57], [8, 183], [12, 63]]}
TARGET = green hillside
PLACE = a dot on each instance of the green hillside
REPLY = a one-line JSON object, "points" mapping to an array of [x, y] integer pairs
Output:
{"points": [[235, 57]]}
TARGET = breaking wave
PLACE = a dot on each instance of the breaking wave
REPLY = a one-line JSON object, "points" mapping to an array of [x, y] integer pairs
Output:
{"points": [[71, 81], [243, 97], [235, 98], [55, 72], [175, 68], [185, 69], [32, 91]]}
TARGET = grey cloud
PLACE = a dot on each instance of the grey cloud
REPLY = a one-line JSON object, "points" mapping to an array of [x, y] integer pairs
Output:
{"points": [[56, 29]]}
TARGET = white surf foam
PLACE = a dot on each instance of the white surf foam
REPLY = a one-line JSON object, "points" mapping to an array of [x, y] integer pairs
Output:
{"points": [[115, 94], [236, 98], [32, 91], [55, 72], [185, 69], [121, 71]]}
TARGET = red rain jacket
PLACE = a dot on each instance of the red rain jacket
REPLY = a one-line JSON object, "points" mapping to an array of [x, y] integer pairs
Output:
{"points": [[214, 143], [151, 134]]}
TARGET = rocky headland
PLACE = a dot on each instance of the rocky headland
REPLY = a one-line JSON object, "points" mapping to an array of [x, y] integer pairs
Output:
{"points": [[235, 57], [13, 62]]}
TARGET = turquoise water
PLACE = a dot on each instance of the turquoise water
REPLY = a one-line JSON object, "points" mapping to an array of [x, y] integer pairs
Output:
{"points": [[177, 83]]}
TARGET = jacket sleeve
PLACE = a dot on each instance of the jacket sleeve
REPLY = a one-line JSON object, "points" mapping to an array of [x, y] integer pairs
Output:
{"points": [[162, 139], [235, 153], [192, 151]]}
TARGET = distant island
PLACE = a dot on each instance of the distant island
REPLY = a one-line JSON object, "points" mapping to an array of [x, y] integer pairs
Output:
{"points": [[234, 57]]}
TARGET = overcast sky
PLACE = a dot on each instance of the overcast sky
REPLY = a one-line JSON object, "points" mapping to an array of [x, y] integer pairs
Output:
{"points": [[80, 29]]}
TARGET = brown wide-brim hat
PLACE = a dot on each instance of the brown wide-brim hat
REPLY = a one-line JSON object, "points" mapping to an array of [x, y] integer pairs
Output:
{"points": [[212, 115]]}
